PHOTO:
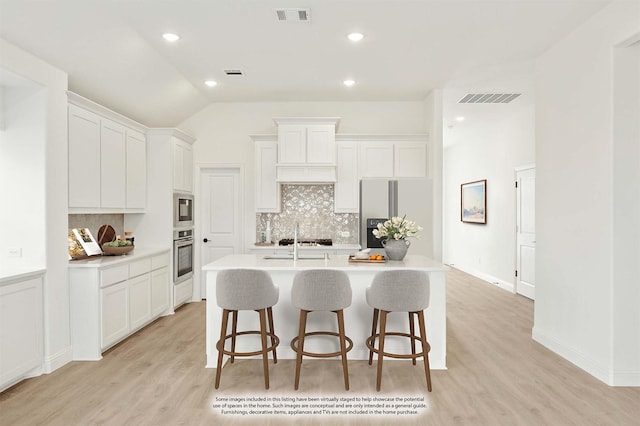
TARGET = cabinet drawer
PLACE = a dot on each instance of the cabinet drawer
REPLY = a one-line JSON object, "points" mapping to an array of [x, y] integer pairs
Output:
{"points": [[159, 261], [139, 267], [113, 275]]}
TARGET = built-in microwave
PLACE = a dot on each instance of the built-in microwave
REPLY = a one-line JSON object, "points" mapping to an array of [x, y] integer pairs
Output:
{"points": [[182, 210]]}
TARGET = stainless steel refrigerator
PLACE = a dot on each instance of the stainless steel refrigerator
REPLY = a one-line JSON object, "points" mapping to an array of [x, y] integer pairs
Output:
{"points": [[381, 199]]}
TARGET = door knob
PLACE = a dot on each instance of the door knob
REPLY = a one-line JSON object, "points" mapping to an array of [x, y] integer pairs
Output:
{"points": [[205, 240]]}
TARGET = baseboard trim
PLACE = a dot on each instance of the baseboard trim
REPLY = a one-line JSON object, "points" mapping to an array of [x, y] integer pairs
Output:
{"points": [[488, 278], [57, 360], [573, 355]]}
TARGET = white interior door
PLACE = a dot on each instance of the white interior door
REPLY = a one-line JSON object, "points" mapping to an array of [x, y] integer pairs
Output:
{"points": [[221, 215], [526, 232]]}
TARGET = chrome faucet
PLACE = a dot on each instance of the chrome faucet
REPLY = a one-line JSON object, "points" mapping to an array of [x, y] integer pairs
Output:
{"points": [[295, 241]]}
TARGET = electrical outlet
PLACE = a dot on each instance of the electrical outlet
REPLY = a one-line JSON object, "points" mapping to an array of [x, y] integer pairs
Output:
{"points": [[345, 234], [14, 252]]}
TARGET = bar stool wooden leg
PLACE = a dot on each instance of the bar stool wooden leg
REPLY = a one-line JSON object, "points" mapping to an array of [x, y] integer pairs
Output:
{"points": [[234, 327], [423, 340], [374, 327], [301, 331], [343, 348], [263, 336], [273, 341], [223, 334], [412, 331], [383, 326]]}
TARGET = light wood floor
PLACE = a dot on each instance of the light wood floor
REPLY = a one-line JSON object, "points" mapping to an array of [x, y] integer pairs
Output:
{"points": [[497, 375]]}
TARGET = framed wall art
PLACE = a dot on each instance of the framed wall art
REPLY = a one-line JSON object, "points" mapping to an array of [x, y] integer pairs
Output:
{"points": [[473, 202]]}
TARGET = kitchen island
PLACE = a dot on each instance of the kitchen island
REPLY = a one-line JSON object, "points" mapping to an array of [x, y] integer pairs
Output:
{"points": [[357, 317]]}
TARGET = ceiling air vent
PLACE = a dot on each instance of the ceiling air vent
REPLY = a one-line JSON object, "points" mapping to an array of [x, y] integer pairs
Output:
{"points": [[488, 98], [293, 15], [233, 72]]}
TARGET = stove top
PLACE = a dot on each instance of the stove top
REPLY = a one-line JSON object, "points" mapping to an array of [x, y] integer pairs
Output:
{"points": [[307, 242]]}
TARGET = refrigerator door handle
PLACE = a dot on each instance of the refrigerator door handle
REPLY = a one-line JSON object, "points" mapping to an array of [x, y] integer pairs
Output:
{"points": [[393, 198]]}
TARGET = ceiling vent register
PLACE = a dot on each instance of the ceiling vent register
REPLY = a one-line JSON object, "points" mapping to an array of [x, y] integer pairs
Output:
{"points": [[293, 15], [488, 98], [233, 72]]}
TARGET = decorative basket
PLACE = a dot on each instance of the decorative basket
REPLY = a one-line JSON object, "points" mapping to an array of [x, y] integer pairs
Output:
{"points": [[116, 251]]}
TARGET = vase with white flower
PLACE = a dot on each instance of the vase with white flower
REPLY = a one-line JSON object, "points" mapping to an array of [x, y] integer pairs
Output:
{"points": [[394, 234]]}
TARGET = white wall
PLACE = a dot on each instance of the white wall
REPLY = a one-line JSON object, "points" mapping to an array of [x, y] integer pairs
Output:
{"points": [[222, 131], [54, 214], [489, 144], [22, 183], [578, 312], [434, 117]]}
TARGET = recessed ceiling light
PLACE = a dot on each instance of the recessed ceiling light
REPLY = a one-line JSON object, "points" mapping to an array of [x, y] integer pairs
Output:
{"points": [[355, 36], [348, 83], [170, 37], [210, 83], [460, 118]]}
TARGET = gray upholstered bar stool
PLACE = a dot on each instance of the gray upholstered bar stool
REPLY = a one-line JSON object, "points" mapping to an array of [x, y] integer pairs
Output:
{"points": [[321, 290], [399, 291], [246, 290]]}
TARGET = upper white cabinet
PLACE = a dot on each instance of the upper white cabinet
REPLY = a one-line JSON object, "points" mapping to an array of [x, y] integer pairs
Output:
{"points": [[306, 149], [346, 190], [107, 160], [136, 197], [393, 159], [84, 158], [267, 189], [182, 165]]}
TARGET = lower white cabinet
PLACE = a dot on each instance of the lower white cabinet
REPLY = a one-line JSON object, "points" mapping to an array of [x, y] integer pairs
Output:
{"points": [[111, 300], [159, 291], [114, 301], [139, 301], [21, 330]]}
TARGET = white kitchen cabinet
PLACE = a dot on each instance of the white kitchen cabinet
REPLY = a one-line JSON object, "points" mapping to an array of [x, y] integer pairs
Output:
{"points": [[376, 159], [159, 291], [112, 165], [182, 166], [107, 160], [114, 308], [391, 159], [139, 301], [307, 144], [21, 329], [84, 158], [267, 189], [115, 296], [136, 196], [346, 190], [306, 149]]}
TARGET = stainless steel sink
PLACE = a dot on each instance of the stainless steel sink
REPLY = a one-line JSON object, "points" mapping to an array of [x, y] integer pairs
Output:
{"points": [[290, 256]]}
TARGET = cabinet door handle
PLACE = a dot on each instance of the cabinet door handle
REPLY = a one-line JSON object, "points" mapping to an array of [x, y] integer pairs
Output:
{"points": [[205, 240]]}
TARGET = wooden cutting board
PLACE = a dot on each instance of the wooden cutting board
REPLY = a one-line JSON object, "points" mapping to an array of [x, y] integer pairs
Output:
{"points": [[106, 233], [354, 260]]}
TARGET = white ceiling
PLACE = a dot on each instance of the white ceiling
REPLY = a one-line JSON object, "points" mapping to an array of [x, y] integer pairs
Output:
{"points": [[114, 53]]}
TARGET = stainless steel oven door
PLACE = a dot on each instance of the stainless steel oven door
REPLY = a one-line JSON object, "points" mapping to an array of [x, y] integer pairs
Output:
{"points": [[182, 260]]}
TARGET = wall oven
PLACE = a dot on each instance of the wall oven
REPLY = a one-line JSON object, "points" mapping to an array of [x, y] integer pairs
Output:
{"points": [[182, 255], [182, 210]]}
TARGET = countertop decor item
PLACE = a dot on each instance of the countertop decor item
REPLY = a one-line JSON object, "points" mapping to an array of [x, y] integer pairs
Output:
{"points": [[116, 251], [394, 233], [117, 248]]}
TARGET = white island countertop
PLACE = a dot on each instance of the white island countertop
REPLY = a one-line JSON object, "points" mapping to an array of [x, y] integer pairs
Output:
{"points": [[341, 262], [357, 316]]}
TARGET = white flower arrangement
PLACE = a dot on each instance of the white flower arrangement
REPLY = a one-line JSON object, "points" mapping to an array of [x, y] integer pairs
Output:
{"points": [[397, 228]]}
